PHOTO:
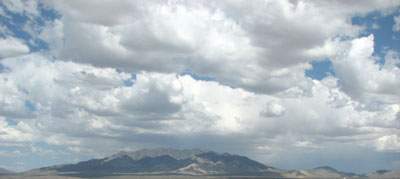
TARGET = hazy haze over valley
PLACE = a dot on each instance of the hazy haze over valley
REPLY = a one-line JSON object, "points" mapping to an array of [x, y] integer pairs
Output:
{"points": [[290, 84]]}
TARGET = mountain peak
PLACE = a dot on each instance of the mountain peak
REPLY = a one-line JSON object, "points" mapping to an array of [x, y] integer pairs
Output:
{"points": [[156, 152], [5, 171], [326, 168], [382, 171]]}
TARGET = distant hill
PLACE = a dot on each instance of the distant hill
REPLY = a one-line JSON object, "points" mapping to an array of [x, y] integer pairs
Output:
{"points": [[5, 171], [384, 174], [166, 161], [319, 172], [162, 161]]}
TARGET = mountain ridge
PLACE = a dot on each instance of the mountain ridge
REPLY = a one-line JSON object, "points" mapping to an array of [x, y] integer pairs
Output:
{"points": [[167, 161], [175, 153], [4, 171]]}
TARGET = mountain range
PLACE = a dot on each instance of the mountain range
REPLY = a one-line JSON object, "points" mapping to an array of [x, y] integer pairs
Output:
{"points": [[161, 161], [5, 171]]}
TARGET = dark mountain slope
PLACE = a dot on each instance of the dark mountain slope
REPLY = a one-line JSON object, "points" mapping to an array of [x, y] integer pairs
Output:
{"points": [[4, 171], [167, 161]]}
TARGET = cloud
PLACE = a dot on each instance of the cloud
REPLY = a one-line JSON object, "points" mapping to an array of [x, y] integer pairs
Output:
{"points": [[19, 133], [96, 104], [21, 7], [389, 142], [273, 110], [363, 78], [10, 47], [153, 97], [396, 25], [12, 99], [212, 39], [25, 27]]}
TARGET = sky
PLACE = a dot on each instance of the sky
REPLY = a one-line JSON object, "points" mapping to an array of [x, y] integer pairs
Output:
{"points": [[294, 84]]}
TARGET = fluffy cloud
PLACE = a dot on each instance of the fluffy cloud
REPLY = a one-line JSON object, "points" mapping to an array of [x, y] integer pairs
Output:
{"points": [[273, 109], [213, 39], [21, 7], [22, 25], [389, 142], [10, 47], [10, 134], [82, 102], [363, 78], [396, 25]]}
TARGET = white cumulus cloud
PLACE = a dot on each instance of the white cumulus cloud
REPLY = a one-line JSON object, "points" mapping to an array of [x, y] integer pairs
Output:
{"points": [[10, 47]]}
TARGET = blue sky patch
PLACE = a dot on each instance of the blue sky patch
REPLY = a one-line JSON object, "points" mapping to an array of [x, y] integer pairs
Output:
{"points": [[320, 69], [30, 105]]}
